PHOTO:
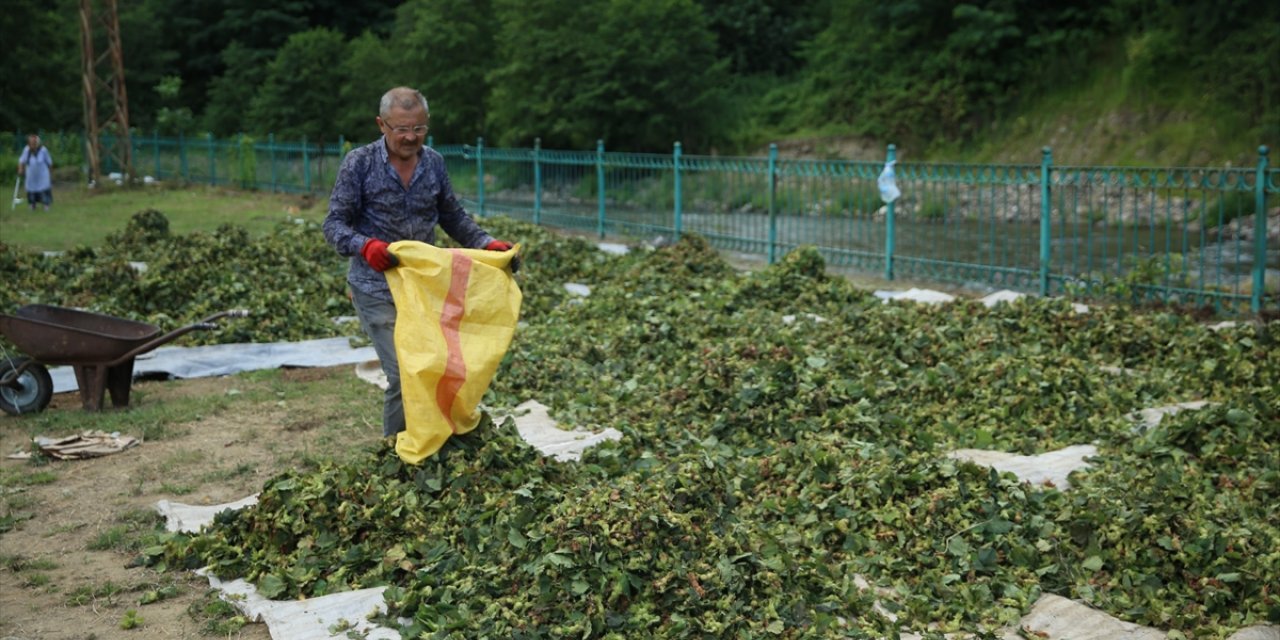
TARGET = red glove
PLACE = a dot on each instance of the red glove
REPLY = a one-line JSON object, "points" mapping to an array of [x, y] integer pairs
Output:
{"points": [[503, 245], [376, 254]]}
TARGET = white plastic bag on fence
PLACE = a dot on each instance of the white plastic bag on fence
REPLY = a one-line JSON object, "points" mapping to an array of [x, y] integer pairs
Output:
{"points": [[888, 185]]}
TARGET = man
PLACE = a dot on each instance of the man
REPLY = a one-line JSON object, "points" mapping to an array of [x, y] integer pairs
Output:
{"points": [[389, 190], [37, 165]]}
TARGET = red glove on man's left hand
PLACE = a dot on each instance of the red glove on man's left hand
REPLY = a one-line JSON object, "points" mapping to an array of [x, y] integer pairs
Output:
{"points": [[503, 245]]}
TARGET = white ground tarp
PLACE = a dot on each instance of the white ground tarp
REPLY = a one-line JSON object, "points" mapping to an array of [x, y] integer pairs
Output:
{"points": [[1051, 468], [225, 359]]}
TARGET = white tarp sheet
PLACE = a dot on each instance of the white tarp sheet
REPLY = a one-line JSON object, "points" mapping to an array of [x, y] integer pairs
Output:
{"points": [[225, 359], [332, 617], [1051, 467]]}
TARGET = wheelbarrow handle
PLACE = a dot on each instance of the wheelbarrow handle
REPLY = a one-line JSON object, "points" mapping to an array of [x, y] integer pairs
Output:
{"points": [[233, 313], [206, 323]]}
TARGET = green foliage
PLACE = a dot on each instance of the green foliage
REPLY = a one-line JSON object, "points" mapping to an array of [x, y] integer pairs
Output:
{"points": [[570, 74], [246, 163], [766, 462], [299, 95], [290, 281], [932, 208], [41, 75], [1143, 277], [370, 68], [718, 75], [449, 50], [231, 93], [146, 65], [216, 616], [762, 36], [172, 119], [923, 70], [131, 620], [1230, 205]]}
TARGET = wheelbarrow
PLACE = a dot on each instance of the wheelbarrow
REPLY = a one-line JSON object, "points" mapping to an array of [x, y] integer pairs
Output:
{"points": [[99, 348]]}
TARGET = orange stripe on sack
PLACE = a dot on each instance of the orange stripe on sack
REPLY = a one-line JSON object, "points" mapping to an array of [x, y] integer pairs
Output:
{"points": [[455, 370]]}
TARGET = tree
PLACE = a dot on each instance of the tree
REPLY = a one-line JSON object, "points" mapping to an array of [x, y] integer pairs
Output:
{"points": [[447, 49], [199, 32], [921, 70], [638, 74], [763, 36], [230, 93], [300, 95], [370, 68], [40, 80], [171, 119], [146, 61]]}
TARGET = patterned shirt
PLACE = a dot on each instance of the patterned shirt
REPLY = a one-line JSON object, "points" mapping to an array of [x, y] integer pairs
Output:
{"points": [[370, 201]]}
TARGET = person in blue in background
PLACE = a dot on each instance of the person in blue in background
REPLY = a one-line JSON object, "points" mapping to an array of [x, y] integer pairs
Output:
{"points": [[37, 165], [388, 190]]}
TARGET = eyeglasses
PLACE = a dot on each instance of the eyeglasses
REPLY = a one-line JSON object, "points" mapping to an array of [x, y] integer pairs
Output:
{"points": [[417, 130]]}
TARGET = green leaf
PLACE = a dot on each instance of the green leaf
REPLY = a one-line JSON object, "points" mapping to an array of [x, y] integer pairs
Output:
{"points": [[516, 538], [999, 526], [1092, 563], [271, 586]]}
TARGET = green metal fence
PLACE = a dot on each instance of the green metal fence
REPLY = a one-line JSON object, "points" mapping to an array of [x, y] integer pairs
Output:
{"points": [[1194, 236]]}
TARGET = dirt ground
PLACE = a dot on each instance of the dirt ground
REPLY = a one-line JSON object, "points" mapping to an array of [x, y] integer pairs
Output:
{"points": [[64, 570]]}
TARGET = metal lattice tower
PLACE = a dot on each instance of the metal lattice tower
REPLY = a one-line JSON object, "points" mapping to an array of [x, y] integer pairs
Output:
{"points": [[103, 75]]}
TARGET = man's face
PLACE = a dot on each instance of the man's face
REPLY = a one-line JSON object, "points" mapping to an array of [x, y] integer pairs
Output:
{"points": [[33, 142], [406, 130]]}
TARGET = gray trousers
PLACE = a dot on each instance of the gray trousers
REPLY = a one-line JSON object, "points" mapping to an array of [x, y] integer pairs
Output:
{"points": [[378, 319]]}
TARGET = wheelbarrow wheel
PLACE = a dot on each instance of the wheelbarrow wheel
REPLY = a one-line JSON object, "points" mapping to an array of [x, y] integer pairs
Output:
{"points": [[30, 392]]}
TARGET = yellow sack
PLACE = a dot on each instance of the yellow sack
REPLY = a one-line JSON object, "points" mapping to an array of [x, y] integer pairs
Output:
{"points": [[456, 311]]}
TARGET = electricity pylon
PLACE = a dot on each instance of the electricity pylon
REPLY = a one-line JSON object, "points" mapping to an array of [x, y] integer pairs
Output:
{"points": [[104, 72]]}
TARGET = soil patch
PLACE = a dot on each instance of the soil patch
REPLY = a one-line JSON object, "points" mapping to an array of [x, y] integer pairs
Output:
{"points": [[69, 530]]}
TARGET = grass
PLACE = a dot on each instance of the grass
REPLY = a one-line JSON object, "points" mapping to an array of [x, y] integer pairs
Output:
{"points": [[85, 217], [31, 571], [88, 594], [143, 418], [19, 563], [216, 616], [1105, 120]]}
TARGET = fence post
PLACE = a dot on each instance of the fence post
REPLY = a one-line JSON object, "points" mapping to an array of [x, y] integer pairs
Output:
{"points": [[155, 150], [182, 157], [240, 160], [306, 166], [430, 143], [1046, 205], [537, 181], [600, 187], [1259, 231], [679, 209], [213, 160], [480, 173], [773, 204], [271, 151], [890, 240]]}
